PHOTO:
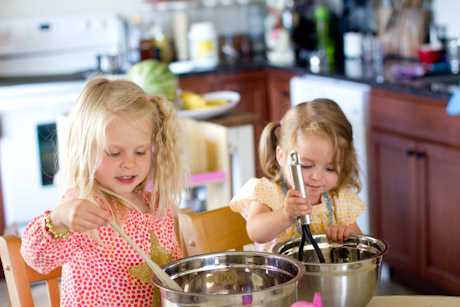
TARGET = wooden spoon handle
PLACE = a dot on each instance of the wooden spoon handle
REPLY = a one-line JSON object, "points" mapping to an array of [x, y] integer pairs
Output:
{"points": [[162, 276]]}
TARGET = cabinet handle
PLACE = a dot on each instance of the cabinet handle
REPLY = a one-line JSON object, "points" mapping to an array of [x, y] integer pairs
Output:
{"points": [[285, 94], [410, 152], [420, 154]]}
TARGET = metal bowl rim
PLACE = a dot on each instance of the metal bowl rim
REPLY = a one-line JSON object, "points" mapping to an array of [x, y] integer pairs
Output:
{"points": [[296, 278], [383, 252]]}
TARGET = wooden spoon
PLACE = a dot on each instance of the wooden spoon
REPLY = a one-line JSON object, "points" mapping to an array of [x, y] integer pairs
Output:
{"points": [[162, 276]]}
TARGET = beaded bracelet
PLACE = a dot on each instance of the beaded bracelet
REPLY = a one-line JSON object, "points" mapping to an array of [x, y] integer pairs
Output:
{"points": [[53, 232]]}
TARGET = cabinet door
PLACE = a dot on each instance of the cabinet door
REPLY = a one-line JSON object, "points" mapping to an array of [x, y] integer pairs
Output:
{"points": [[279, 93], [441, 212], [253, 90], [394, 199], [198, 83]]}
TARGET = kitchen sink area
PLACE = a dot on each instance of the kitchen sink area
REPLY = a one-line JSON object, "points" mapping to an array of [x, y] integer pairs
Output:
{"points": [[438, 83]]}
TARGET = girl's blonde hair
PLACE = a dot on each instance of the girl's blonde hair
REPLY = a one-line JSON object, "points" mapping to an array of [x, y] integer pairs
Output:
{"points": [[322, 117], [102, 101]]}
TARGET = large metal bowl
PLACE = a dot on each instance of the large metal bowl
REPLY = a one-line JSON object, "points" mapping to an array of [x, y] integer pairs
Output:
{"points": [[351, 274], [232, 279]]}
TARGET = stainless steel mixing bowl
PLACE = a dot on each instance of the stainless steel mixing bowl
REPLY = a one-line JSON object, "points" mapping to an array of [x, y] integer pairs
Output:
{"points": [[233, 279], [351, 274]]}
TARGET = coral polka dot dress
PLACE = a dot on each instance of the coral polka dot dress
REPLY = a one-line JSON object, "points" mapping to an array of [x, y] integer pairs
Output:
{"points": [[346, 206], [96, 275]]}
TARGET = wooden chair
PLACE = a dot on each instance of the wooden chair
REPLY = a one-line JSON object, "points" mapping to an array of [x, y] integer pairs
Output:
{"points": [[19, 275], [212, 231]]}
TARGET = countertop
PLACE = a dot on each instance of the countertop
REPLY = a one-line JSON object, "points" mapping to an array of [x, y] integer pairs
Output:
{"points": [[414, 301], [382, 77]]}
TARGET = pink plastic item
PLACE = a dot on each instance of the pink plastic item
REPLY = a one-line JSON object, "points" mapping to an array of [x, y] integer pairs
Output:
{"points": [[317, 302]]}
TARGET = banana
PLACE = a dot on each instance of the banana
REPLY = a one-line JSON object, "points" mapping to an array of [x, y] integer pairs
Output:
{"points": [[216, 102], [194, 101]]}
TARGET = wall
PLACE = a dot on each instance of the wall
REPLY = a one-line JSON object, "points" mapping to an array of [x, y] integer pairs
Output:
{"points": [[446, 12], [25, 8]]}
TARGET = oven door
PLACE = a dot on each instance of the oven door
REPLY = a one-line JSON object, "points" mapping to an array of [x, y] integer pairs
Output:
{"points": [[28, 148]]}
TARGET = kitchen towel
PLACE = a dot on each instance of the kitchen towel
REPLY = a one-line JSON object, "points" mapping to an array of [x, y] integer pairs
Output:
{"points": [[453, 107]]}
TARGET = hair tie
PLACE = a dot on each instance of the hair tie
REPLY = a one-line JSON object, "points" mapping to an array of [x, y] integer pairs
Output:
{"points": [[279, 124], [150, 98]]}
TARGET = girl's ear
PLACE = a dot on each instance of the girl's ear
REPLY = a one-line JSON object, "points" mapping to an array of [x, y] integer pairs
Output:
{"points": [[280, 157]]}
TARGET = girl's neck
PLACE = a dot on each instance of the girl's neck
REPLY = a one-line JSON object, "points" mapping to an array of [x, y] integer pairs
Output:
{"points": [[316, 201], [137, 199]]}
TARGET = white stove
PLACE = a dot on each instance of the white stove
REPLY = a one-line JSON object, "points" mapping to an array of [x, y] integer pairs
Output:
{"points": [[58, 45], [39, 48]]}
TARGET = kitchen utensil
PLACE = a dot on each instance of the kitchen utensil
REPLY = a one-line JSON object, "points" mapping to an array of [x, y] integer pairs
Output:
{"points": [[305, 221], [162, 276], [350, 275], [232, 278]]}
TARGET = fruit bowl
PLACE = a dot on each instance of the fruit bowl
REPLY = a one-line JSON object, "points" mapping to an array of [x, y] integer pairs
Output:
{"points": [[210, 112]]}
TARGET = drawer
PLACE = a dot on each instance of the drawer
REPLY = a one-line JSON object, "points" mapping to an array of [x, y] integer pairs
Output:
{"points": [[414, 115]]}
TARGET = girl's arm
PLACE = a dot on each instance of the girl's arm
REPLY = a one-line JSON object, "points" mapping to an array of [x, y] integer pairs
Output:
{"points": [[264, 225], [40, 250]]}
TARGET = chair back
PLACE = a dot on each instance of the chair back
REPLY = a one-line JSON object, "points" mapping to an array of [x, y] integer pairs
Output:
{"points": [[19, 275], [212, 231]]}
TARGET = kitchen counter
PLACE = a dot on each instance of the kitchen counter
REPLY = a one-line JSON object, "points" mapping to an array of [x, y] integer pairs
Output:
{"points": [[428, 86], [414, 301], [434, 86]]}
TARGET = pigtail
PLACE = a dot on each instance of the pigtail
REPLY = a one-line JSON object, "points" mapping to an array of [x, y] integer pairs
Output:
{"points": [[168, 165], [267, 151]]}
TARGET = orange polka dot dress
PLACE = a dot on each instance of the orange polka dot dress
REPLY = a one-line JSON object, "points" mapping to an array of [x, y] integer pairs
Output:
{"points": [[346, 207], [95, 275]]}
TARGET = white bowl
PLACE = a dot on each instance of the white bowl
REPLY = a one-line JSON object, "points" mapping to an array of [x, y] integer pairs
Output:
{"points": [[207, 113]]}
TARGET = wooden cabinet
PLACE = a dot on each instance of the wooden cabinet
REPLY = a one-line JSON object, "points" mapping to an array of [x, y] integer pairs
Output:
{"points": [[198, 83], [264, 92], [394, 198], [279, 93], [253, 90], [415, 177]]}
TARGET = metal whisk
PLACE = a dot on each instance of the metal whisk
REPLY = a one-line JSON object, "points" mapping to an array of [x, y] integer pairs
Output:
{"points": [[305, 221]]}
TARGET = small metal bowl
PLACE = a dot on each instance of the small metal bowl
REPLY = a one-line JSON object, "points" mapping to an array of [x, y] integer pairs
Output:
{"points": [[232, 279], [351, 274]]}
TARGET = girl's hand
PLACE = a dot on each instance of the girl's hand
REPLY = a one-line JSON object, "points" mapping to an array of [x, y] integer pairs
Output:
{"points": [[340, 233], [79, 215], [295, 205]]}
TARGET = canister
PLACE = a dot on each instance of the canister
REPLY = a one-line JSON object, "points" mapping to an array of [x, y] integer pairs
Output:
{"points": [[203, 45]]}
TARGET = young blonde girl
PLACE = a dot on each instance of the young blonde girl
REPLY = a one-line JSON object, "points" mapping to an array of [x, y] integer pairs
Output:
{"points": [[323, 138], [119, 140]]}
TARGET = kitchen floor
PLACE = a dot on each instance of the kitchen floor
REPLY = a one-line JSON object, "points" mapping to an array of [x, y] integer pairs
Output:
{"points": [[386, 287]]}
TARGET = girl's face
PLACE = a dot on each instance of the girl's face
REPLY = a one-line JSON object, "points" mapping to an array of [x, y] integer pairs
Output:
{"points": [[316, 156], [127, 157]]}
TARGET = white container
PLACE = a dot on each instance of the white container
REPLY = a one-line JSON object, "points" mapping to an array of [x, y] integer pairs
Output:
{"points": [[353, 45], [203, 45], [180, 27]]}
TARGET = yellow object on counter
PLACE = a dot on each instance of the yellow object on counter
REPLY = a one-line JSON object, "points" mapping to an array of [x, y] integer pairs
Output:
{"points": [[193, 101], [217, 102]]}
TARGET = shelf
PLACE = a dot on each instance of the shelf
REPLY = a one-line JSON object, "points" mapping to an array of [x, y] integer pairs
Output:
{"points": [[207, 178]]}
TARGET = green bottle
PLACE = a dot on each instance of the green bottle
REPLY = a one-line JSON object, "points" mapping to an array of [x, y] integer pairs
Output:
{"points": [[324, 42]]}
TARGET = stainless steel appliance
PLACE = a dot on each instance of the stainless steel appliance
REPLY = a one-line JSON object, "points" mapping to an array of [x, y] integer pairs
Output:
{"points": [[54, 49]]}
